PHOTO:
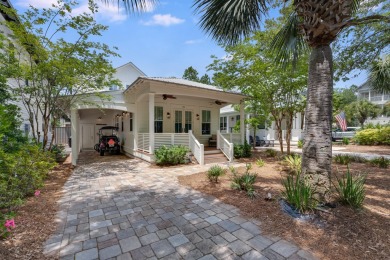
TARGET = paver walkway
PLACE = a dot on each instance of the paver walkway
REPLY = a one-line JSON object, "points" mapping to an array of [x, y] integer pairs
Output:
{"points": [[115, 207]]}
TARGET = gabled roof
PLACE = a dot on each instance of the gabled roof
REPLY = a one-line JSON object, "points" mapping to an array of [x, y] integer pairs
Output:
{"points": [[182, 82], [131, 64]]}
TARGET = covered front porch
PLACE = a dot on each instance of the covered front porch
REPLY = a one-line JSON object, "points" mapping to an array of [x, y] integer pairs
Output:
{"points": [[153, 112]]}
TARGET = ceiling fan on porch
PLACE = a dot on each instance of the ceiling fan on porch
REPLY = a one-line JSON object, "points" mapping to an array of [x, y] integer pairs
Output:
{"points": [[219, 102], [165, 96]]}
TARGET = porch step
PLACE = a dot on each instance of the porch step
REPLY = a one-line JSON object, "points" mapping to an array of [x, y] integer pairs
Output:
{"points": [[214, 156]]}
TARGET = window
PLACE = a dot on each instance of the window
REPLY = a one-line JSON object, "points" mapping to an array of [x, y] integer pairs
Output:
{"points": [[261, 125], [237, 117], [158, 119], [222, 123], [188, 121], [26, 129], [131, 122], [178, 121], [206, 120]]}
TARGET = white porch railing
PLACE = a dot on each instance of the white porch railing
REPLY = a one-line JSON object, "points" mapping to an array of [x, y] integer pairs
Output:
{"points": [[233, 138], [196, 148], [225, 146], [161, 139], [143, 142]]}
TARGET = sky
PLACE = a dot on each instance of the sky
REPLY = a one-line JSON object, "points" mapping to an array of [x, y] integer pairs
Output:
{"points": [[161, 42]]}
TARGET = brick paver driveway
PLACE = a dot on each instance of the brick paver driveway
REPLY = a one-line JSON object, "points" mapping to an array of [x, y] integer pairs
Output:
{"points": [[121, 208]]}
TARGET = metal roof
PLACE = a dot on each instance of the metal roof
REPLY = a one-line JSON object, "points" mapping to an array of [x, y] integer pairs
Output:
{"points": [[184, 82]]}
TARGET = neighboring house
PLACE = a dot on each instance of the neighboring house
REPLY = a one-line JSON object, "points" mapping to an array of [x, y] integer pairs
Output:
{"points": [[152, 112], [229, 117], [380, 99], [12, 83]]}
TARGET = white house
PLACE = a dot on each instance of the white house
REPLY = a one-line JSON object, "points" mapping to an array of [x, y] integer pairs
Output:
{"points": [[229, 117], [380, 99], [152, 112], [13, 83]]}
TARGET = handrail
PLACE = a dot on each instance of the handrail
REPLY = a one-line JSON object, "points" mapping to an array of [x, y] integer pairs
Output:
{"points": [[197, 148], [225, 146]]}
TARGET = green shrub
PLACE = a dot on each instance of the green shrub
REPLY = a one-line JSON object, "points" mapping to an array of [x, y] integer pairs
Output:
{"points": [[345, 141], [298, 193], [300, 144], [342, 159], [347, 159], [351, 189], [242, 150], [374, 136], [59, 151], [22, 173], [260, 162], [271, 153], [171, 155], [293, 163], [381, 162], [244, 181], [4, 217], [214, 172]]}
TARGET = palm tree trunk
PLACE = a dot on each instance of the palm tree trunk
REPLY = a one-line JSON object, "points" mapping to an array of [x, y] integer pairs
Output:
{"points": [[317, 148]]}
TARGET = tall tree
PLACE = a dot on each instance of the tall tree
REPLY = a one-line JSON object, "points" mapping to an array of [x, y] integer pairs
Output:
{"points": [[50, 72], [277, 91], [362, 110], [191, 74], [380, 74], [315, 25]]}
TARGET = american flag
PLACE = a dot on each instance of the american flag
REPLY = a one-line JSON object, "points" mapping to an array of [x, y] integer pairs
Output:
{"points": [[342, 121]]}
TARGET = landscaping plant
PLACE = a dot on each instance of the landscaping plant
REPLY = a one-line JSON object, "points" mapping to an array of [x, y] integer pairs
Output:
{"points": [[22, 173], [244, 181], [347, 159], [242, 150], [171, 155], [300, 144], [260, 162], [345, 141], [7, 223], [214, 172], [293, 162], [351, 189], [298, 193], [373, 136], [271, 153], [381, 162]]}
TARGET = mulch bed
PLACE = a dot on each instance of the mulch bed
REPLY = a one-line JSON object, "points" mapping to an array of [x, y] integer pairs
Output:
{"points": [[35, 219], [341, 233]]}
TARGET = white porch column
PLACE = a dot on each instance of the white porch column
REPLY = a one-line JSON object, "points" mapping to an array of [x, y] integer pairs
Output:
{"points": [[74, 119], [151, 123], [242, 121], [135, 130], [227, 124]]}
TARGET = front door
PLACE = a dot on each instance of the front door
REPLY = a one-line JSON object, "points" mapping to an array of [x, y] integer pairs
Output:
{"points": [[88, 136], [183, 121]]}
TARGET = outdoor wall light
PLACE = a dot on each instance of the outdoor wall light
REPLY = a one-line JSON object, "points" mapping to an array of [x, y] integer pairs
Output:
{"points": [[168, 115], [99, 118], [197, 116]]}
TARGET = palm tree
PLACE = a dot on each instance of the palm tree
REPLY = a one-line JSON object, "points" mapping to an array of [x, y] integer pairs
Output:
{"points": [[380, 74], [313, 25]]}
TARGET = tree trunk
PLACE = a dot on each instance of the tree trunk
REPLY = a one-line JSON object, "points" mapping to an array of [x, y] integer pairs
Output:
{"points": [[289, 121], [317, 148]]}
